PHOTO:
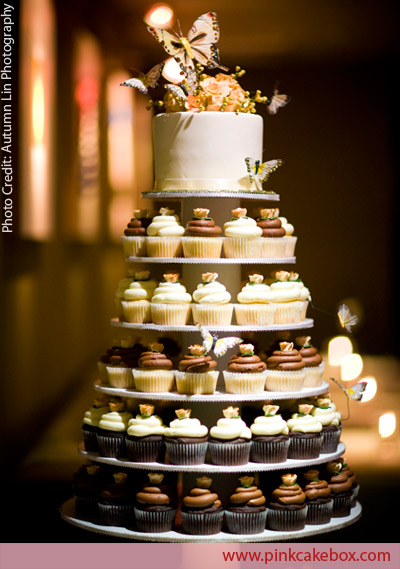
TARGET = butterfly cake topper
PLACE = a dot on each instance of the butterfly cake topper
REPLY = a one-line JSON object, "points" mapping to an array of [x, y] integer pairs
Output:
{"points": [[145, 80], [219, 346], [355, 392], [259, 172]]}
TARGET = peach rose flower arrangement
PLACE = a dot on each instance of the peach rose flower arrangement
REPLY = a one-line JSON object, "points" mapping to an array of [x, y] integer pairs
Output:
{"points": [[219, 93]]}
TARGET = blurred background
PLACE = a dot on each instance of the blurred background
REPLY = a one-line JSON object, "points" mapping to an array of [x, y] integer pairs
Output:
{"points": [[82, 155]]}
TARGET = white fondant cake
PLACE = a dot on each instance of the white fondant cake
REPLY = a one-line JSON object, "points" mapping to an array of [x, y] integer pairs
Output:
{"points": [[206, 150]]}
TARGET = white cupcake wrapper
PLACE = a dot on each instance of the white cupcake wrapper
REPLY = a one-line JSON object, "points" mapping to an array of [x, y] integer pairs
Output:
{"points": [[240, 247], [153, 381], [291, 241], [136, 311], [254, 314], [277, 380], [120, 377], [202, 247], [212, 314], [164, 246], [314, 375], [170, 314], [289, 312], [134, 246], [244, 382], [273, 247], [196, 383]]}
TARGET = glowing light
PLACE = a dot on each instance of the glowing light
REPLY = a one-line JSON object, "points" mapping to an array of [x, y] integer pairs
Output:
{"points": [[370, 390], [159, 16], [352, 366], [338, 348], [387, 424], [38, 109], [172, 72]]}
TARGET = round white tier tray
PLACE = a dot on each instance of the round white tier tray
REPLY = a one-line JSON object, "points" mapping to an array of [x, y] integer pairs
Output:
{"points": [[270, 196], [68, 514], [215, 261], [212, 468], [307, 323], [216, 397]]}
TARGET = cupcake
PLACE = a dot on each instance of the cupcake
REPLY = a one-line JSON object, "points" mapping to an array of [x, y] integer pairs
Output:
{"points": [[246, 372], [171, 303], [197, 372], [134, 239], [318, 499], [155, 506], [341, 488], [270, 438], [287, 509], [154, 372], [355, 487], [242, 236], [123, 284], [246, 513], [229, 442], [290, 297], [186, 439], [136, 307], [116, 502], [202, 237], [313, 362], [121, 362], [145, 436], [86, 485], [254, 306], [90, 422], [202, 512], [304, 434], [285, 369], [273, 243], [211, 302], [291, 239], [164, 235], [330, 419], [112, 430]]}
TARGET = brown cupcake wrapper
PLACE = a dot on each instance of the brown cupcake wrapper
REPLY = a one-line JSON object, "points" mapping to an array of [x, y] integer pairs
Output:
{"points": [[111, 447], [144, 451], [186, 454], [157, 522], [319, 513], [342, 505], [245, 523], [303, 448], [286, 520], [202, 524], [120, 516], [268, 452], [225, 454]]}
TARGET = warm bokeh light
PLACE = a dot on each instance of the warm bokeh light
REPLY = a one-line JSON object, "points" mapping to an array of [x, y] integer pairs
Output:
{"points": [[172, 72], [370, 390], [351, 367], [159, 16], [387, 424], [338, 348], [38, 108]]}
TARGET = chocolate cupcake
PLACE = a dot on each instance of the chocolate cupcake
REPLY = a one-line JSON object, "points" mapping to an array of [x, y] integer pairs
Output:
{"points": [[355, 487], [229, 443], [86, 485], [121, 361], [330, 419], [134, 238], [246, 372], [186, 439], [287, 509], [273, 234], [116, 502], [155, 506], [90, 422], [304, 434], [247, 512], [270, 439], [341, 488], [318, 499], [112, 430], [154, 372], [285, 369], [202, 237], [313, 363], [145, 436], [197, 372], [202, 512]]}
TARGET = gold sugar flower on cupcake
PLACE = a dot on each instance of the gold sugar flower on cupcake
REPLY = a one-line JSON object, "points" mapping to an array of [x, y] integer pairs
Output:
{"points": [[293, 276], [171, 277], [201, 213], [304, 341], [282, 276], [209, 277], [183, 413], [312, 475], [256, 278], [334, 467], [139, 213], [305, 409], [100, 401], [146, 410], [196, 350], [270, 410], [203, 482], [269, 213], [93, 469], [117, 406], [246, 481], [289, 479], [166, 211], [231, 413], [246, 349], [155, 477], [142, 276], [156, 347], [323, 403], [286, 346], [239, 212], [120, 477]]}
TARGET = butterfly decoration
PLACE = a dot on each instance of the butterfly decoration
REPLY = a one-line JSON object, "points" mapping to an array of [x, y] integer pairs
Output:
{"points": [[145, 80], [277, 101], [199, 45], [259, 172], [219, 346], [346, 318], [354, 392], [179, 92]]}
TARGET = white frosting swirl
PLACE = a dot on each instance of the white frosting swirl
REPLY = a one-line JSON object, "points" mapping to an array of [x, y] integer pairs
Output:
{"points": [[122, 286], [288, 291], [269, 425], [304, 424], [141, 426], [242, 227], [288, 227], [93, 415], [211, 293], [230, 428], [170, 293], [327, 416], [164, 226], [187, 427], [140, 290], [254, 293], [115, 421]]}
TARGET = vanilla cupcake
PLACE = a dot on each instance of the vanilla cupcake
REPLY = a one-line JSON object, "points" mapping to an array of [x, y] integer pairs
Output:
{"points": [[202, 237], [121, 362], [330, 419], [112, 430], [313, 362], [245, 372], [273, 234], [145, 436], [154, 373], [254, 306], [290, 298], [291, 239], [270, 436], [197, 372], [186, 439], [136, 298], [134, 238], [229, 442], [211, 302], [305, 434], [171, 303], [164, 235], [285, 369], [242, 236], [123, 284], [90, 422]]}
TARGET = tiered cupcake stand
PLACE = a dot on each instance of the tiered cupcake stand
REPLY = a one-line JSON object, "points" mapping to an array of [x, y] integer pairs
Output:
{"points": [[221, 397]]}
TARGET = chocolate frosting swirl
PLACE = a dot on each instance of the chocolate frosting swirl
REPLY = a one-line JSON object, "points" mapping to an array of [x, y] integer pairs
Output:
{"points": [[201, 499], [340, 483], [122, 356], [288, 495], [287, 360], [202, 228], [137, 227], [153, 496], [251, 496], [246, 364], [310, 356], [154, 360], [271, 227], [317, 489], [197, 364]]}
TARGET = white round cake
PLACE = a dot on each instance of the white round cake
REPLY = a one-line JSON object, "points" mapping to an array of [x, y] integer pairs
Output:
{"points": [[205, 150]]}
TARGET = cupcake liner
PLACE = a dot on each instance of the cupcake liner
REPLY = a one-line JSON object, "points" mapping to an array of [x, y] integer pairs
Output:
{"points": [[254, 314], [136, 311], [304, 310], [120, 377], [212, 314], [303, 448], [291, 241], [269, 452], [134, 246], [121, 515], [154, 522], [245, 523], [225, 454], [153, 381], [277, 380], [286, 520], [164, 246], [330, 440], [144, 451], [111, 446], [319, 513], [102, 369], [244, 382], [86, 506], [314, 375], [202, 524], [273, 247], [242, 247], [342, 504], [288, 312], [202, 247], [119, 310], [90, 438], [186, 454], [196, 383], [170, 314]]}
